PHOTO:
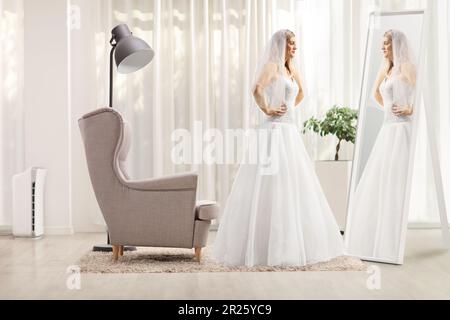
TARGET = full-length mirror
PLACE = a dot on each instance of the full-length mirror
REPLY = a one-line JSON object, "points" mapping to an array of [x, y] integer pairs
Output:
{"points": [[382, 169]]}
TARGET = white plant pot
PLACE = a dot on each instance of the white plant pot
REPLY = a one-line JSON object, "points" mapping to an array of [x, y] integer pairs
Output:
{"points": [[335, 176]]}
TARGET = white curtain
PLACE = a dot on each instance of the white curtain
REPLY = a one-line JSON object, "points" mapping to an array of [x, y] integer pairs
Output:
{"points": [[438, 80], [11, 102], [206, 51], [206, 55], [424, 208], [335, 70], [333, 59]]}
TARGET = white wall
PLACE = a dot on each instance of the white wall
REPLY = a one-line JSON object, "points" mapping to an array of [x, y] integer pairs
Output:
{"points": [[46, 97], [11, 104], [86, 213], [60, 86]]}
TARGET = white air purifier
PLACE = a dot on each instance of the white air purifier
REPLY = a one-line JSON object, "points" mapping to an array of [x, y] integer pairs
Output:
{"points": [[28, 203]]}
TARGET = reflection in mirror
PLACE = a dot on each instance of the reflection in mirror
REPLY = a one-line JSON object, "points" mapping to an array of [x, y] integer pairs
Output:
{"points": [[377, 217]]}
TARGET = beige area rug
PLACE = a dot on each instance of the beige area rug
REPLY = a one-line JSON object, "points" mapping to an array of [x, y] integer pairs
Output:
{"points": [[163, 260]]}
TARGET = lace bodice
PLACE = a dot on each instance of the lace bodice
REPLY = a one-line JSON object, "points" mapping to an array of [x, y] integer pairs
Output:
{"points": [[405, 95], [291, 93]]}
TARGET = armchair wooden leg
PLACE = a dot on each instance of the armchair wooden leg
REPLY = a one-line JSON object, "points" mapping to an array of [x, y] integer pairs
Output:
{"points": [[198, 254], [115, 253], [121, 251]]}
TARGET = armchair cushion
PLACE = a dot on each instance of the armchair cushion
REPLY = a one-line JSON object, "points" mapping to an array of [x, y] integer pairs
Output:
{"points": [[178, 182]]}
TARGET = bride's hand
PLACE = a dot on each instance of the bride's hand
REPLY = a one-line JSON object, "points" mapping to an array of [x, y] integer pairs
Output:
{"points": [[280, 111], [401, 110]]}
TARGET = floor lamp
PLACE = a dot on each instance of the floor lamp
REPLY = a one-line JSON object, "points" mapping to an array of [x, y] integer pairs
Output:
{"points": [[130, 54]]}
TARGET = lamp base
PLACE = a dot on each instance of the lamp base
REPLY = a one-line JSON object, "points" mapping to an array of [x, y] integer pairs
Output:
{"points": [[109, 248]]}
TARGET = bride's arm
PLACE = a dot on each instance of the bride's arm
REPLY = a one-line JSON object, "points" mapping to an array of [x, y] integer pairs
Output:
{"points": [[407, 84], [301, 93], [266, 77], [404, 105], [377, 93]]}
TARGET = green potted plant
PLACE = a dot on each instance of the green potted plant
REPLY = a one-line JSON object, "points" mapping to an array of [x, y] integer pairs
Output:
{"points": [[339, 121]]}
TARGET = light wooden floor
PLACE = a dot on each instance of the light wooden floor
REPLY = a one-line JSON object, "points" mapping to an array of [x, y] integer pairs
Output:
{"points": [[37, 270]]}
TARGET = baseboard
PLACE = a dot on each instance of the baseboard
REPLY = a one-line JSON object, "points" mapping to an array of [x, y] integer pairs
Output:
{"points": [[58, 231], [411, 226], [424, 226], [51, 231], [5, 230], [90, 229]]}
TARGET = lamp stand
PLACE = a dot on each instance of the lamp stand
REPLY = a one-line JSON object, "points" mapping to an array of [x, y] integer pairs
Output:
{"points": [[108, 247], [111, 71]]}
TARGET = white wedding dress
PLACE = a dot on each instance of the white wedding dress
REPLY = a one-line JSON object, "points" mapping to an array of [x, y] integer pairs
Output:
{"points": [[280, 219], [377, 208]]}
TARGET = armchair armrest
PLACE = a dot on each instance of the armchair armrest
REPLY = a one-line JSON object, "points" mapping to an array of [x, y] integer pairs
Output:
{"points": [[207, 210], [184, 181]]}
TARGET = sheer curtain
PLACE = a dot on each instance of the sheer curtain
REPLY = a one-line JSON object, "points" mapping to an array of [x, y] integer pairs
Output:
{"points": [[11, 102], [334, 33], [424, 209], [206, 55], [206, 51], [335, 66], [438, 80]]}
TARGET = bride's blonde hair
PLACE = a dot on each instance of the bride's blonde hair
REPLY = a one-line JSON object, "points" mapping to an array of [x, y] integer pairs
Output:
{"points": [[289, 35], [405, 67]]}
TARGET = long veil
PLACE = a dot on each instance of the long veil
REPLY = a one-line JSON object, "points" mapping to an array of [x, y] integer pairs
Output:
{"points": [[404, 71]]}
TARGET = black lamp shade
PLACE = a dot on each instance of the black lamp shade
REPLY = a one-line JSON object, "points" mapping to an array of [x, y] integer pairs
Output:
{"points": [[132, 53]]}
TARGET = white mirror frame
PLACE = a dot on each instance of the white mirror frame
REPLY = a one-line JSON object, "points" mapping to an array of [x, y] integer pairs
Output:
{"points": [[361, 118]]}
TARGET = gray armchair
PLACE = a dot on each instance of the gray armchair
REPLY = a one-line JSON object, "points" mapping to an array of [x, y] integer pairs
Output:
{"points": [[160, 212]]}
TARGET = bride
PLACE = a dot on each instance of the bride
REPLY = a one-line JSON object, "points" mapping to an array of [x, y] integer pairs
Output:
{"points": [[279, 216], [377, 209]]}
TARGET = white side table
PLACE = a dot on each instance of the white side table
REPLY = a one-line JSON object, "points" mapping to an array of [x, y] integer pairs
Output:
{"points": [[335, 177]]}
